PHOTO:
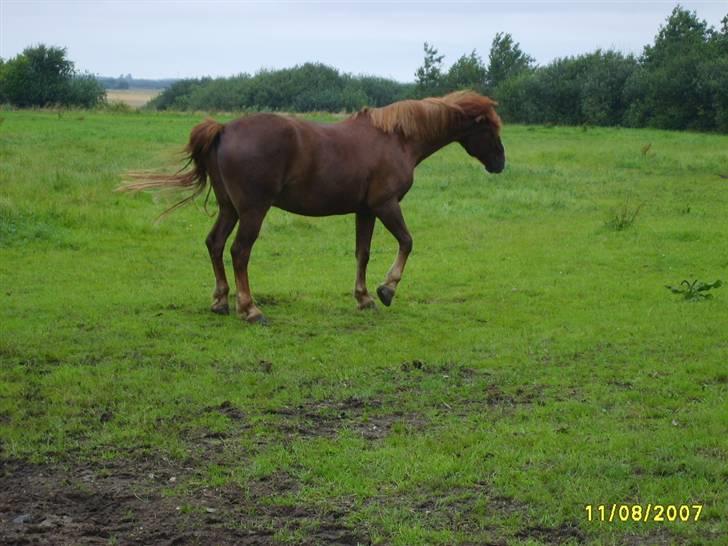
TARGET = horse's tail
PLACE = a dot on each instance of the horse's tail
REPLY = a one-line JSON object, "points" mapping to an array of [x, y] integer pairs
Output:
{"points": [[204, 138]]}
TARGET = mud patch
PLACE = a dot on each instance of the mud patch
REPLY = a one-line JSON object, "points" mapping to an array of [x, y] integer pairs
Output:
{"points": [[468, 391], [446, 369], [329, 418], [140, 502], [227, 409], [43, 504]]}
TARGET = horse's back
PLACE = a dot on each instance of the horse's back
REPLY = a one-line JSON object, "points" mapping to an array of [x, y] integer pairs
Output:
{"points": [[299, 166]]}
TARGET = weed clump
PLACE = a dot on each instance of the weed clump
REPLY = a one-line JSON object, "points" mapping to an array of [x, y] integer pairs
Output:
{"points": [[624, 216], [696, 290]]}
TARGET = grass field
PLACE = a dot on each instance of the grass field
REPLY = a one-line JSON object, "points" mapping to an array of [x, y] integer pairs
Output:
{"points": [[532, 363]]}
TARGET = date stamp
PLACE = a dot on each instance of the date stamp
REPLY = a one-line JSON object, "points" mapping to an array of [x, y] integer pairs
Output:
{"points": [[644, 513]]}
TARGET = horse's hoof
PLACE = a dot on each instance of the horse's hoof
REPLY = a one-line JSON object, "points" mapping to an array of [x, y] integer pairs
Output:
{"points": [[222, 309], [385, 295], [367, 305], [258, 319]]}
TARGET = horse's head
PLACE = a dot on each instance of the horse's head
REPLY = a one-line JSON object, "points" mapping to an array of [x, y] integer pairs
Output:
{"points": [[483, 142]]}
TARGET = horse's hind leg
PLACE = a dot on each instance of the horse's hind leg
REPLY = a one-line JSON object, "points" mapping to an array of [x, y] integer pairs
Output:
{"points": [[391, 216], [226, 219], [248, 229]]}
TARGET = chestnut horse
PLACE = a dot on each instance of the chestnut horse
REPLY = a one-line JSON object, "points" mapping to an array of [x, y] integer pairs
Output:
{"points": [[362, 165]]}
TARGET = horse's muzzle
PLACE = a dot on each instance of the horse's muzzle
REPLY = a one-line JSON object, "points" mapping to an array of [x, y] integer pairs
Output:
{"points": [[497, 168]]}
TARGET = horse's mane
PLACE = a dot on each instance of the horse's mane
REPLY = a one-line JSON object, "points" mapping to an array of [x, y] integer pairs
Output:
{"points": [[432, 117]]}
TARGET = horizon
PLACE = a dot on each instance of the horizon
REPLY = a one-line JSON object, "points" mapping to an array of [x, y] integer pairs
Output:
{"points": [[155, 44]]}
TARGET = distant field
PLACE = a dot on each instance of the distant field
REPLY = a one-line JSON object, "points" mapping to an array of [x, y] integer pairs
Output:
{"points": [[532, 362], [135, 98]]}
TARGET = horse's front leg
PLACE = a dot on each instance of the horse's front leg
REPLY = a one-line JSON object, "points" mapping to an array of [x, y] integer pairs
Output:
{"points": [[248, 229], [391, 216], [364, 229]]}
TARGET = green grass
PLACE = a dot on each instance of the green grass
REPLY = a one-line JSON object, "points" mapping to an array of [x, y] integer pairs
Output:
{"points": [[532, 362]]}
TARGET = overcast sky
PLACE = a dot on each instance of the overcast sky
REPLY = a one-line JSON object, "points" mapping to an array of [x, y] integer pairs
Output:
{"points": [[163, 38]]}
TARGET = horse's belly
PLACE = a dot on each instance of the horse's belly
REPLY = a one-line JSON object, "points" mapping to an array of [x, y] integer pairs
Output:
{"points": [[319, 200]]}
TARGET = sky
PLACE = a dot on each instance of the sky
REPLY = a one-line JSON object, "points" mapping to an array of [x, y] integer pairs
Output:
{"points": [[194, 38]]}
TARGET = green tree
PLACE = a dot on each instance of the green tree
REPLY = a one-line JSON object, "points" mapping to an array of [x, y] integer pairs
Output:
{"points": [[381, 91], [84, 90], [520, 98], [571, 90], [177, 95], [602, 86], [39, 76], [353, 97], [428, 77], [468, 72], [717, 75], [506, 60], [42, 75], [676, 87], [3, 98]]}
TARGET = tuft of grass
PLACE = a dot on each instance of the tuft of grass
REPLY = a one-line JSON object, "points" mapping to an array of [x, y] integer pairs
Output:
{"points": [[623, 216]]}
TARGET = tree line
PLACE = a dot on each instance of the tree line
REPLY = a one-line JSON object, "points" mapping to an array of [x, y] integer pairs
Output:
{"points": [[305, 88], [678, 82]]}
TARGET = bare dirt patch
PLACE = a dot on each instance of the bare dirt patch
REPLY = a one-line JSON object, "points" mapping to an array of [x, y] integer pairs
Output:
{"points": [[372, 417], [139, 502], [327, 419]]}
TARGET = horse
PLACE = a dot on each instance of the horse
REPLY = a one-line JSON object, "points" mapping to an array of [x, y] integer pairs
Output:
{"points": [[363, 165]]}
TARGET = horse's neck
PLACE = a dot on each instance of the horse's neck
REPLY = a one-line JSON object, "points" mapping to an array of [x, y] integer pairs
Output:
{"points": [[419, 150], [422, 148]]}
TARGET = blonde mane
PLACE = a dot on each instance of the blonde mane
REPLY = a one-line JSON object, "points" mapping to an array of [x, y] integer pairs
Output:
{"points": [[432, 117]]}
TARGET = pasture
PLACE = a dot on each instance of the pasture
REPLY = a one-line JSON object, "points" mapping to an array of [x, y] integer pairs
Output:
{"points": [[532, 363]]}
